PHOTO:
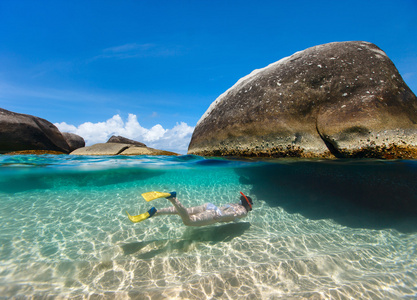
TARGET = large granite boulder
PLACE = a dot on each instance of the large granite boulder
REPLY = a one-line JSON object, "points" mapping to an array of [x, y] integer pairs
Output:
{"points": [[342, 99], [73, 140], [123, 140], [25, 132]]}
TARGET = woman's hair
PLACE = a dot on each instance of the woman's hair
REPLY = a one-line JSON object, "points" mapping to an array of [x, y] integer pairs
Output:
{"points": [[245, 203]]}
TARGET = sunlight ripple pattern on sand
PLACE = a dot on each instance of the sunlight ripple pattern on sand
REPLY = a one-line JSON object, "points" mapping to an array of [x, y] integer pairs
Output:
{"points": [[64, 234]]}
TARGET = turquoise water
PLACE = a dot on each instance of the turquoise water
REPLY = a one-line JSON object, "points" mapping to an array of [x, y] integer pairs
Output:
{"points": [[318, 230]]}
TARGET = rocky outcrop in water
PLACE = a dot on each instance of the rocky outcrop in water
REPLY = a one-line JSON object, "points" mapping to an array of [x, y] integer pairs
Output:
{"points": [[119, 149], [342, 99], [123, 140], [25, 132]]}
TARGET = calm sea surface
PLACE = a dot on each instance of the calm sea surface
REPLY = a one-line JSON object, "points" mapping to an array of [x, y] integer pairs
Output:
{"points": [[319, 229]]}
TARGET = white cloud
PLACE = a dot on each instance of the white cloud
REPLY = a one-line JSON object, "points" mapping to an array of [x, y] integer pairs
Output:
{"points": [[175, 139]]}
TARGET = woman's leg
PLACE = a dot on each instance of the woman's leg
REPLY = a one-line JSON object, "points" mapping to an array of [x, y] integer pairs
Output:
{"points": [[166, 211], [181, 210], [173, 211]]}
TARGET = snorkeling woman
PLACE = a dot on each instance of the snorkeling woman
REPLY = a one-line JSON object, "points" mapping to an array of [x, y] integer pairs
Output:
{"points": [[201, 215]]}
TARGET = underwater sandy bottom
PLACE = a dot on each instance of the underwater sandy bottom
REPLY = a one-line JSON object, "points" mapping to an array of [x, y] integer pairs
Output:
{"points": [[76, 242]]}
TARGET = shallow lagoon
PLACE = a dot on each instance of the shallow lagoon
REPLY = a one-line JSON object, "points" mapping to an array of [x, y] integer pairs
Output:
{"points": [[319, 229]]}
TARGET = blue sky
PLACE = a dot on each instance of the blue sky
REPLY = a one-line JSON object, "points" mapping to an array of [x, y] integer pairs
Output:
{"points": [[156, 66]]}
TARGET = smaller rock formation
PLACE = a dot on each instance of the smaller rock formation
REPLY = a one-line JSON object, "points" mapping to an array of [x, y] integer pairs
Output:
{"points": [[101, 149], [122, 140], [119, 149], [73, 140], [146, 151], [25, 132]]}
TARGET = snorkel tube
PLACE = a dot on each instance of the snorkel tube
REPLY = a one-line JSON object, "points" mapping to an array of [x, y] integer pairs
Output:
{"points": [[247, 202]]}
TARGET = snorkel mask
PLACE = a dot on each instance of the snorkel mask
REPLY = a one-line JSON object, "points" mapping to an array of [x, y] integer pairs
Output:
{"points": [[246, 202]]}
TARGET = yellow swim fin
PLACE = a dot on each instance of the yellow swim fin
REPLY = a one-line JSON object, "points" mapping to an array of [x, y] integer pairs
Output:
{"points": [[149, 196], [142, 217]]}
